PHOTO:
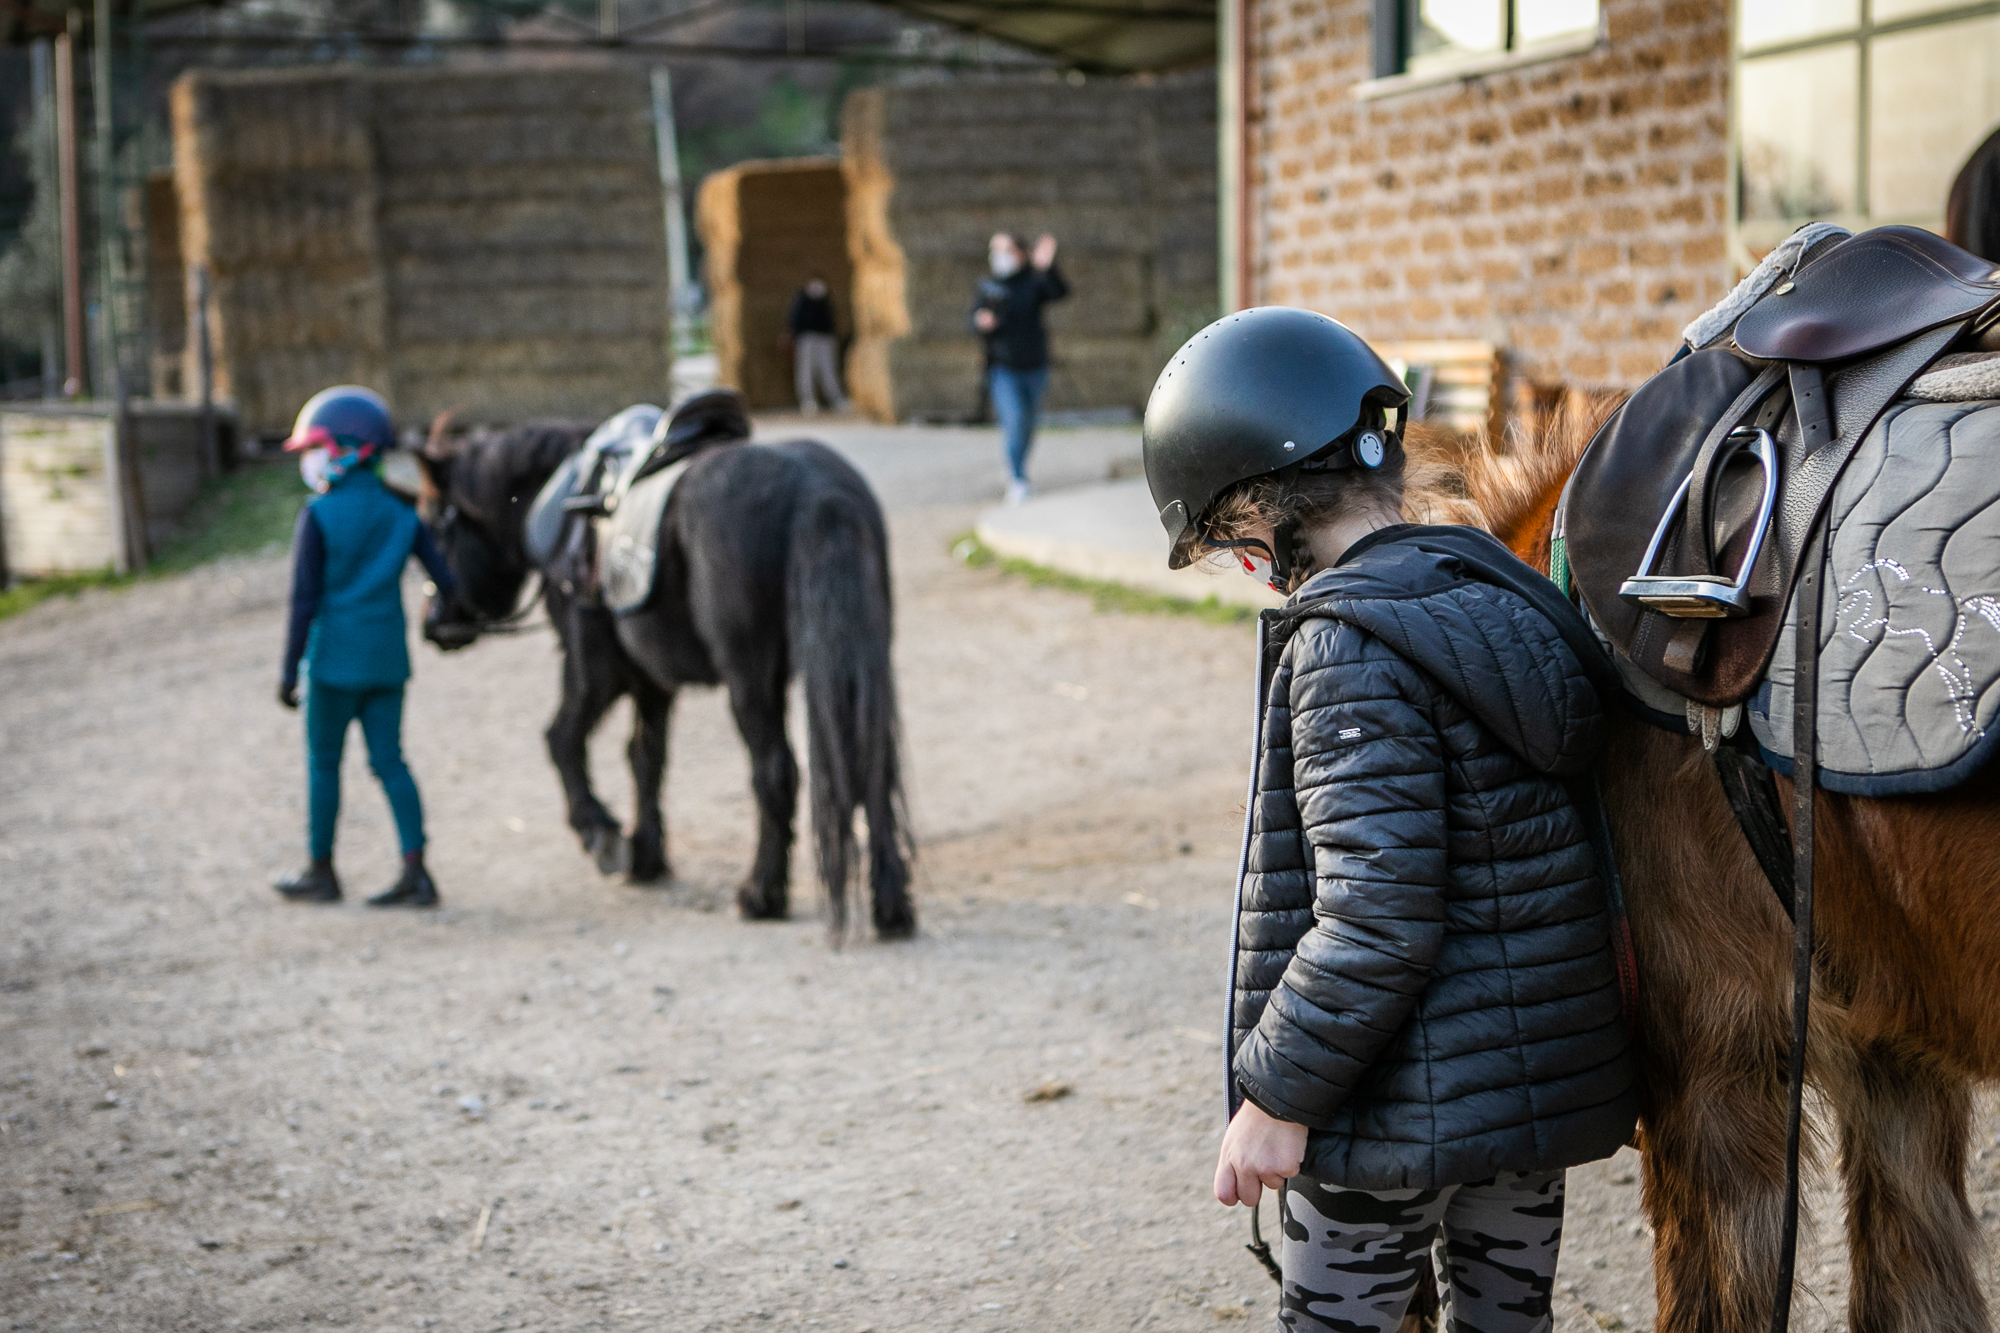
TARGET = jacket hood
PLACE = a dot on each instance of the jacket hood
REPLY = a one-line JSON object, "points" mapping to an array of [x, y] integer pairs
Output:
{"points": [[1495, 634]]}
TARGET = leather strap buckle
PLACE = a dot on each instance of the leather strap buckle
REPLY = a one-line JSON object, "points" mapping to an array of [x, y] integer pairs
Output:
{"points": [[1707, 597]]}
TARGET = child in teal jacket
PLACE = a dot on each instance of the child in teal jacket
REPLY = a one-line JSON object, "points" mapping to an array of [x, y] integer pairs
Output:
{"points": [[347, 629]]}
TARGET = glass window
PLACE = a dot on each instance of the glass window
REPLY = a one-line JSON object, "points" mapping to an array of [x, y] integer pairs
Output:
{"points": [[1769, 22], [1541, 20], [1445, 30], [1798, 116], [1933, 97], [1438, 34], [1860, 111]]}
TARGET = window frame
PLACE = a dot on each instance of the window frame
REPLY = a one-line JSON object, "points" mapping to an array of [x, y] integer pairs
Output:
{"points": [[1395, 19], [1755, 236]]}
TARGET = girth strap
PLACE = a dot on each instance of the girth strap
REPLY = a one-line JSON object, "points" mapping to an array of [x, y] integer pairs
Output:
{"points": [[1805, 784]]}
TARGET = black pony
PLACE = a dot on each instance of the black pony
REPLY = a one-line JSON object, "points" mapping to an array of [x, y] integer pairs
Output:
{"points": [[772, 559]]}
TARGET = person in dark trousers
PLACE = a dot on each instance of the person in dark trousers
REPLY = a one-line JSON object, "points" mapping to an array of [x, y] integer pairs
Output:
{"points": [[1008, 316], [347, 630], [1426, 1018], [810, 325]]}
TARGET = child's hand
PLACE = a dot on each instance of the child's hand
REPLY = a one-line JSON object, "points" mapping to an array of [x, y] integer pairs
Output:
{"points": [[1258, 1153]]}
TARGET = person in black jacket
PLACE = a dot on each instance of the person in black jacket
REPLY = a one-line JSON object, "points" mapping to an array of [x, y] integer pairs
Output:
{"points": [[1007, 313], [1427, 1023], [811, 327]]}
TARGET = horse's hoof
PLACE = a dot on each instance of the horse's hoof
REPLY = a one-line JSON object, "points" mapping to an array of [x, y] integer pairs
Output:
{"points": [[648, 862], [608, 847], [756, 907], [902, 928]]}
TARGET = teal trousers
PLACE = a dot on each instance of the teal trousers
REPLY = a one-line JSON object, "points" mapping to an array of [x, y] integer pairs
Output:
{"points": [[329, 711]]}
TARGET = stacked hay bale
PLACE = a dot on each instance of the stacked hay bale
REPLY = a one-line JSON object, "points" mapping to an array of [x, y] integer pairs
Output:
{"points": [[491, 242], [765, 228], [1122, 173]]}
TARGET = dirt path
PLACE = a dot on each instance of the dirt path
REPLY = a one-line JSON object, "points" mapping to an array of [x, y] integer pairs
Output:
{"points": [[564, 1103]]}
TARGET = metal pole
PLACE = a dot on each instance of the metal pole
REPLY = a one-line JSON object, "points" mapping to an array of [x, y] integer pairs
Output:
{"points": [[678, 292], [102, 96], [204, 357], [72, 241], [607, 18]]}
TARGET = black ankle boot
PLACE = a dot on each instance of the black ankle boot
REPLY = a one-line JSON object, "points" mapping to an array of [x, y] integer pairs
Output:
{"points": [[414, 889], [315, 884]]}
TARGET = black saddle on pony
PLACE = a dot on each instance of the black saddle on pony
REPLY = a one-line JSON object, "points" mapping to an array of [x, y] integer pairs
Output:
{"points": [[1689, 516]]}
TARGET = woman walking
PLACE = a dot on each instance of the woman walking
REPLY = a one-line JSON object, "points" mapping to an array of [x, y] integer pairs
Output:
{"points": [[1008, 316], [1426, 1019], [347, 629]]}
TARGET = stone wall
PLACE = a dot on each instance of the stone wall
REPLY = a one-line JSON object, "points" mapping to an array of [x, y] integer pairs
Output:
{"points": [[1573, 212], [1122, 172], [766, 227], [488, 242]]}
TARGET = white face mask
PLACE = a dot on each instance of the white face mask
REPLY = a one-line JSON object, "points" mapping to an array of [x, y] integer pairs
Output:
{"points": [[1258, 568], [1005, 263], [314, 467]]}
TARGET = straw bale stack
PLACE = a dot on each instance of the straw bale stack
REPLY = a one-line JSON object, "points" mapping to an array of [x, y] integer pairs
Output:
{"points": [[765, 228], [491, 242], [1122, 173]]}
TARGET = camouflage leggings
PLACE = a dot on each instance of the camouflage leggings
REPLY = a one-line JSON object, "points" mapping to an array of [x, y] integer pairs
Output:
{"points": [[1350, 1257]]}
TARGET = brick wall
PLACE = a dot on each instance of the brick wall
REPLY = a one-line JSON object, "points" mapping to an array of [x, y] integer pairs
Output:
{"points": [[1572, 212]]}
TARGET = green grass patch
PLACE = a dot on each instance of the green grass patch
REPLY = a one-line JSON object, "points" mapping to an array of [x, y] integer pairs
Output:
{"points": [[242, 512], [253, 508], [967, 549]]}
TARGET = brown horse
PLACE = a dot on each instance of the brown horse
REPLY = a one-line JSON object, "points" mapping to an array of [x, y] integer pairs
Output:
{"points": [[1906, 1005]]}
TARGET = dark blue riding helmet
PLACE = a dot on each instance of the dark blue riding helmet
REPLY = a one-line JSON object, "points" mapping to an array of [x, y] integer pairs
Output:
{"points": [[345, 416]]}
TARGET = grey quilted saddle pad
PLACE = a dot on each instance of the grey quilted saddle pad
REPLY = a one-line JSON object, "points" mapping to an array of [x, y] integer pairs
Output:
{"points": [[1910, 649]]}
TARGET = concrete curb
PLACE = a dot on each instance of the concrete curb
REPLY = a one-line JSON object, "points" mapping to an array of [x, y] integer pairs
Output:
{"points": [[1108, 532]]}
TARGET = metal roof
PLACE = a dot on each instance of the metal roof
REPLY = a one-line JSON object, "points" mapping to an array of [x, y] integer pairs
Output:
{"points": [[1106, 36], [1099, 36]]}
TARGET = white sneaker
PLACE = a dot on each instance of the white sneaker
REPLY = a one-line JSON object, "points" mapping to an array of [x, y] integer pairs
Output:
{"points": [[1018, 492]]}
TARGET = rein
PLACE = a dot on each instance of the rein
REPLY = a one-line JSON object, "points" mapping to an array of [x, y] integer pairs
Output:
{"points": [[480, 622]]}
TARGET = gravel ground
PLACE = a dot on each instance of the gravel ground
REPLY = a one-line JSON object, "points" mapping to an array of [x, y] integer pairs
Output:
{"points": [[562, 1102]]}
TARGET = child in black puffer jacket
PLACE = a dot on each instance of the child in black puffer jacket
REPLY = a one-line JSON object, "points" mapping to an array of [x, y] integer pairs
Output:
{"points": [[1426, 1026]]}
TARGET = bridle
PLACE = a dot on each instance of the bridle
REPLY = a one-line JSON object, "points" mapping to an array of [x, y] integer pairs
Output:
{"points": [[478, 621]]}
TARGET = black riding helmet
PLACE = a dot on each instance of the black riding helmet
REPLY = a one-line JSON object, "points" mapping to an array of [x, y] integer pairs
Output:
{"points": [[1255, 393]]}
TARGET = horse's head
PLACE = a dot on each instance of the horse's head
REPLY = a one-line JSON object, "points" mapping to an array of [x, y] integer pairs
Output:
{"points": [[476, 504]]}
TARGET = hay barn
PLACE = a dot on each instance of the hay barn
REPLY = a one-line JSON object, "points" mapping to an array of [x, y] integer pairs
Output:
{"points": [[766, 227]]}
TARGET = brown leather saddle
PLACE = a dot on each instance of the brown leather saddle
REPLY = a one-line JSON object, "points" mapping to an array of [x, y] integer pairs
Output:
{"points": [[1689, 516]]}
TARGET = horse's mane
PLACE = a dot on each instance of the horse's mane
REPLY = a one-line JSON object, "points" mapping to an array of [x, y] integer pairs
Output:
{"points": [[1454, 478], [499, 472]]}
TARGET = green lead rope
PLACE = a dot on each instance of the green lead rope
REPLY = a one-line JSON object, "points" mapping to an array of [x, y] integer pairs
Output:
{"points": [[1559, 563]]}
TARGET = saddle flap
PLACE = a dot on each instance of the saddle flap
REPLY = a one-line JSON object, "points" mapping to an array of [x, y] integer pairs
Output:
{"points": [[1880, 288], [1630, 474]]}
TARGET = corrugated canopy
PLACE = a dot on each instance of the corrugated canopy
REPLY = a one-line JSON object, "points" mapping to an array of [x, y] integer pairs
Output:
{"points": [[1100, 36], [25, 20], [1106, 36]]}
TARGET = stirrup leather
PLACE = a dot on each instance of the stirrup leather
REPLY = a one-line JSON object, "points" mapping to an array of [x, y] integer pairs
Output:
{"points": [[1708, 597]]}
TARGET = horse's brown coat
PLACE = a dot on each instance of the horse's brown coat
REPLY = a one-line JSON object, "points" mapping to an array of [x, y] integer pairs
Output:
{"points": [[1906, 1009]]}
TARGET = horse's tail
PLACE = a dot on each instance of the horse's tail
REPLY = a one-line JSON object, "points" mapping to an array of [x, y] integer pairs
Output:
{"points": [[839, 608]]}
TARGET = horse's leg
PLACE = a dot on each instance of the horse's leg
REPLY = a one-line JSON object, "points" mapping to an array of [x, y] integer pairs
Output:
{"points": [[757, 701], [647, 753], [1714, 963], [592, 682], [1905, 1124]]}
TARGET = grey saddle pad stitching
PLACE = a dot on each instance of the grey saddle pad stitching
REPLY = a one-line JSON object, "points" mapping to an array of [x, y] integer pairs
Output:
{"points": [[1910, 644], [628, 539]]}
